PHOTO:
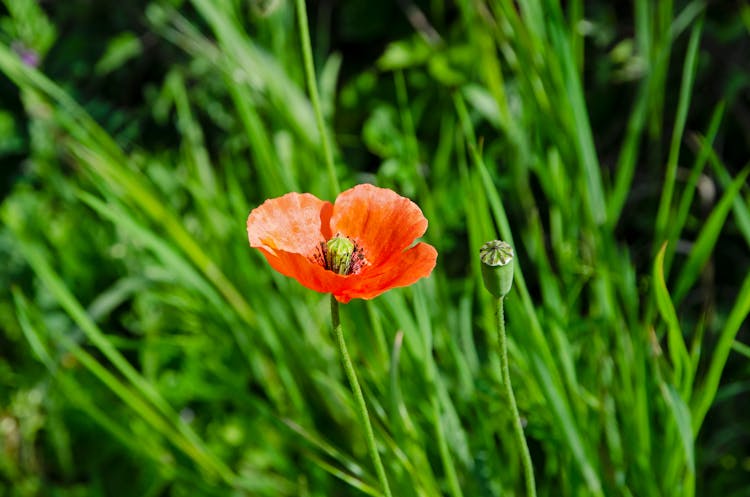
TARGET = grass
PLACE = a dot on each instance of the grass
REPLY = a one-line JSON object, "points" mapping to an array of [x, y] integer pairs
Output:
{"points": [[146, 350]]}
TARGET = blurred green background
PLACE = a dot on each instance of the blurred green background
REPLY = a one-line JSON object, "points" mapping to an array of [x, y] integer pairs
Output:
{"points": [[146, 350]]}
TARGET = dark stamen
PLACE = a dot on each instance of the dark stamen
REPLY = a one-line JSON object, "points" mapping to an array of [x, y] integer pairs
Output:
{"points": [[355, 264]]}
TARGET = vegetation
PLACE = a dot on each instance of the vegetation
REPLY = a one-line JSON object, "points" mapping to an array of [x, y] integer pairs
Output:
{"points": [[147, 350]]}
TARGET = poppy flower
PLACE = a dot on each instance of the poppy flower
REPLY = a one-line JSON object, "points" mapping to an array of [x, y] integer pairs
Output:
{"points": [[358, 247]]}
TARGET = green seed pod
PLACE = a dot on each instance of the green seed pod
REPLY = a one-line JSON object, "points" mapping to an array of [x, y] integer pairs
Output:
{"points": [[339, 254], [497, 267]]}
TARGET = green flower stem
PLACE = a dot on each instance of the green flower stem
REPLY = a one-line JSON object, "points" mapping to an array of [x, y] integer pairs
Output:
{"points": [[528, 469], [312, 86], [357, 391]]}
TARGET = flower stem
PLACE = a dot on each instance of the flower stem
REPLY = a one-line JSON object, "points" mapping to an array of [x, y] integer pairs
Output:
{"points": [[312, 86], [528, 469], [359, 398]]}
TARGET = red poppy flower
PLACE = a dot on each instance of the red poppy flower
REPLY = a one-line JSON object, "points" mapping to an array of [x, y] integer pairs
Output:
{"points": [[358, 247]]}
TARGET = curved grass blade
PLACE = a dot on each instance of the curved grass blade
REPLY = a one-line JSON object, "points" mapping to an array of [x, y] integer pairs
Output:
{"points": [[678, 352], [707, 394], [707, 238]]}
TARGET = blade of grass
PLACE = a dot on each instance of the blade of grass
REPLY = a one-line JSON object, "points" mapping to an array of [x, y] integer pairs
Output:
{"points": [[312, 87], [628, 155], [661, 46], [678, 222], [681, 416], [678, 352], [353, 481], [195, 151], [741, 348], [686, 88], [575, 17], [707, 392], [704, 245], [740, 207]]}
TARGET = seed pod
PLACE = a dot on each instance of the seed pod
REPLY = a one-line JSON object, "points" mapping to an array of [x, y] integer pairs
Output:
{"points": [[497, 267], [339, 254]]}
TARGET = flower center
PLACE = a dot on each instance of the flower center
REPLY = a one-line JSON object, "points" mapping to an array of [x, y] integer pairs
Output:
{"points": [[341, 255], [339, 251]]}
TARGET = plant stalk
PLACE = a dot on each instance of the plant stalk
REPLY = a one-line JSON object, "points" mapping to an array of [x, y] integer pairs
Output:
{"points": [[359, 398], [312, 86], [528, 468]]}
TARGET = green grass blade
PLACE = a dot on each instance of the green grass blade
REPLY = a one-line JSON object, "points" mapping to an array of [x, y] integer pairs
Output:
{"points": [[628, 155], [741, 348], [704, 245], [677, 224], [686, 88], [709, 387], [312, 87], [682, 418], [740, 206], [678, 352]]}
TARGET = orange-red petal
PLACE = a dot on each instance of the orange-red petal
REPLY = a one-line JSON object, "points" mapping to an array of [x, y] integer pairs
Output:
{"points": [[402, 269], [307, 272], [380, 221], [295, 223]]}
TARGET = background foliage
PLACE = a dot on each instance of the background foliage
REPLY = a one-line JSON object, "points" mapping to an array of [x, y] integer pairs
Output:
{"points": [[145, 350]]}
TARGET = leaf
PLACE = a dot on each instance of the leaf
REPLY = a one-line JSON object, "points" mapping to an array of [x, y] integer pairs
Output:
{"points": [[737, 316], [678, 353], [740, 206], [120, 49], [707, 238], [403, 54], [681, 415]]}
